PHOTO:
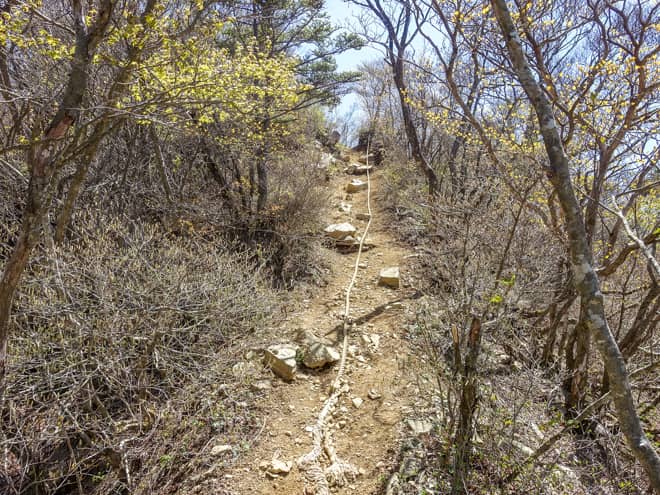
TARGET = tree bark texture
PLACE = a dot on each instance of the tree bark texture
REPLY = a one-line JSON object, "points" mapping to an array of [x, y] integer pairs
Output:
{"points": [[585, 279]]}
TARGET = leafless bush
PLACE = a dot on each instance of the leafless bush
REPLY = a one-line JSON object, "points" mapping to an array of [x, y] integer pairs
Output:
{"points": [[467, 270], [289, 230], [110, 333]]}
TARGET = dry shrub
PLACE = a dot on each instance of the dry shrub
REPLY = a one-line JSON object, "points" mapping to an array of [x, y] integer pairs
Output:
{"points": [[116, 340], [12, 187], [289, 229], [213, 194], [461, 241]]}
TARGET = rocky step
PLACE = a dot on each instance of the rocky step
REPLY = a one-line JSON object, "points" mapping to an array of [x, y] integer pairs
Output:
{"points": [[356, 185], [358, 169], [390, 277], [340, 231]]}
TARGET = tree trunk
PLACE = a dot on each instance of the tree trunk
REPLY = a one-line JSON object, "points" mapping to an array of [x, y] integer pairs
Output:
{"points": [[399, 38], [577, 365], [11, 277], [409, 126], [262, 183], [584, 276], [43, 170], [161, 165], [467, 409]]}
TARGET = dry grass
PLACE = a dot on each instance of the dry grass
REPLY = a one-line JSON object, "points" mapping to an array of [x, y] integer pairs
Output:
{"points": [[121, 345]]}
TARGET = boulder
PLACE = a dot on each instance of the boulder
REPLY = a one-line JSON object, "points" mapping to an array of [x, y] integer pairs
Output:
{"points": [[317, 351], [390, 277], [356, 185], [281, 358], [358, 169], [339, 231], [319, 354]]}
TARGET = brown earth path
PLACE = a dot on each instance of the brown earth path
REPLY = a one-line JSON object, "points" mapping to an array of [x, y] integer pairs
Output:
{"points": [[366, 436]]}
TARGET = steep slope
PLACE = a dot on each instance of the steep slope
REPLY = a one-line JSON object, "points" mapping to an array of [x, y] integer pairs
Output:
{"points": [[366, 419]]}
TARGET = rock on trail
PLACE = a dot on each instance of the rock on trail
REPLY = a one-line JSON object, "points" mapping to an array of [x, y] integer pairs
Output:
{"points": [[390, 277], [366, 422], [356, 185]]}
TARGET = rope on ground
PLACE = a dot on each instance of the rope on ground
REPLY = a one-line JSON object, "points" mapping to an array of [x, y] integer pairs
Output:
{"points": [[339, 472]]}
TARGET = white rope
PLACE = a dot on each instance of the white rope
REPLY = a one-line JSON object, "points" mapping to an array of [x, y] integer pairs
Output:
{"points": [[339, 472]]}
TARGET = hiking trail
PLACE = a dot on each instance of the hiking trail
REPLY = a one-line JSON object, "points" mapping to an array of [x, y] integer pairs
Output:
{"points": [[366, 421]]}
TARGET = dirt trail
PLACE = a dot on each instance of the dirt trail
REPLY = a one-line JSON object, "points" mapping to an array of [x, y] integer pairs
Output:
{"points": [[364, 436]]}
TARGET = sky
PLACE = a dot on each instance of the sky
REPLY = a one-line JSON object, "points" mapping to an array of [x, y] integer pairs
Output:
{"points": [[344, 14]]}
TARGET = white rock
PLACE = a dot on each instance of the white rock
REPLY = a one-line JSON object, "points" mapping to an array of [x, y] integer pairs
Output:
{"points": [[356, 185], [326, 160], [390, 277], [537, 431], [345, 207], [318, 355], [281, 358], [371, 158], [348, 241], [244, 369], [261, 385], [522, 447], [566, 472], [339, 231], [280, 467], [393, 485], [358, 169], [357, 402]]}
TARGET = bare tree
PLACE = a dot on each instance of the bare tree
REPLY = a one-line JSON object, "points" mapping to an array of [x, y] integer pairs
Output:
{"points": [[42, 158], [400, 32], [585, 278]]}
